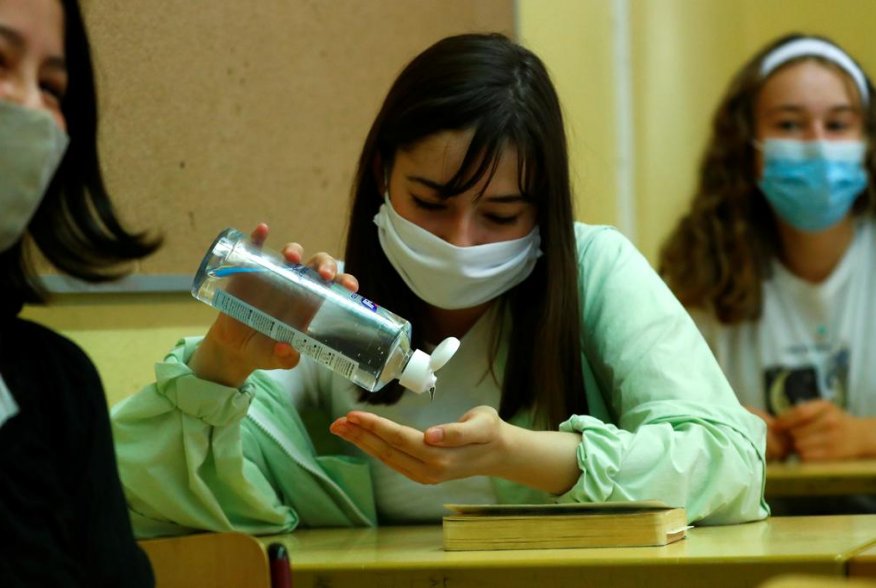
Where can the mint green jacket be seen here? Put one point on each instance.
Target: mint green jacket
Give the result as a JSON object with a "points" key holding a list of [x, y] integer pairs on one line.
{"points": [[663, 424]]}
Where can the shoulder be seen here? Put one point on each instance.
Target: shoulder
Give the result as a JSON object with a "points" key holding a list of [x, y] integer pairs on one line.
{"points": [[595, 239], [36, 332], [26, 340], [49, 374], [603, 252]]}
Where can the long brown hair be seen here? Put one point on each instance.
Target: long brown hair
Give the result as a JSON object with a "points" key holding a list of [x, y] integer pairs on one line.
{"points": [[717, 257], [502, 92]]}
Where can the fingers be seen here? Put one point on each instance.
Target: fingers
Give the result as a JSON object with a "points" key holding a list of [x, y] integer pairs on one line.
{"points": [[404, 438], [444, 452], [803, 414], [285, 356], [817, 420], [259, 234], [472, 432], [388, 442], [817, 426], [327, 266], [348, 281], [293, 252], [323, 263], [814, 448], [478, 426]]}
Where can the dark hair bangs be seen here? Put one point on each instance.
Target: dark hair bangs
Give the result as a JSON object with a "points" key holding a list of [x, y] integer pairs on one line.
{"points": [[493, 133]]}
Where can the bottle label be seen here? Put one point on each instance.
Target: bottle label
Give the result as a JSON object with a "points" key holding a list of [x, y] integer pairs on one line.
{"points": [[271, 327]]}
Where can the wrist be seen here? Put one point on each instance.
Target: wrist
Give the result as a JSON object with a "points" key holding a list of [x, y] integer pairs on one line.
{"points": [[506, 452], [219, 363], [546, 460]]}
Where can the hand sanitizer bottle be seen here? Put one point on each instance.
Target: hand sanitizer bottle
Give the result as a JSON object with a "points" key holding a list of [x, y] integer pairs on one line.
{"points": [[288, 302]]}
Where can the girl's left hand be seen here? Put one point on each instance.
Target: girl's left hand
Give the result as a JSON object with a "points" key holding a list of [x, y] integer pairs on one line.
{"points": [[475, 445]]}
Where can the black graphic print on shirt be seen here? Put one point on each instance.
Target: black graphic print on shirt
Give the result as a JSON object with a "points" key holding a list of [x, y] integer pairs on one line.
{"points": [[786, 386]]}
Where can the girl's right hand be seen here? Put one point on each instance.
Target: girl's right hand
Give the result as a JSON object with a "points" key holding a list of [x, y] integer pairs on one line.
{"points": [[231, 351]]}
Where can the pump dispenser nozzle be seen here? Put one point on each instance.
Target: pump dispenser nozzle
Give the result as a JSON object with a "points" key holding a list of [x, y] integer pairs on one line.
{"points": [[419, 374]]}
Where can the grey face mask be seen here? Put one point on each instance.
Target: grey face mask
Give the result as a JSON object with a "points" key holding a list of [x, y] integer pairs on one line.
{"points": [[31, 148]]}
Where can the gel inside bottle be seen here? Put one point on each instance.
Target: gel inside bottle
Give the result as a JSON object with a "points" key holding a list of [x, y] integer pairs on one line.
{"points": [[340, 329]]}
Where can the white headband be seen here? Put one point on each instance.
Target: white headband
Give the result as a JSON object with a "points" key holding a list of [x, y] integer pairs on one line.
{"points": [[815, 47]]}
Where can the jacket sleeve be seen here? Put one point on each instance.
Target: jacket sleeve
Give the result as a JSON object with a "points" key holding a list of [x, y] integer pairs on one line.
{"points": [[180, 450], [664, 422], [192, 457]]}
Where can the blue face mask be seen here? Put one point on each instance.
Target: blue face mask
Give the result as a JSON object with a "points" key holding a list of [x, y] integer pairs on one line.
{"points": [[812, 185]]}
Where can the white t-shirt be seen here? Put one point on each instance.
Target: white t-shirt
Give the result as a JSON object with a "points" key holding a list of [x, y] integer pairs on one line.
{"points": [[812, 341], [399, 499]]}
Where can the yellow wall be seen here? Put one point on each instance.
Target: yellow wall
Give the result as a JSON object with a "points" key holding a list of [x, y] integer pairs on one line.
{"points": [[682, 55], [125, 334], [574, 39]]}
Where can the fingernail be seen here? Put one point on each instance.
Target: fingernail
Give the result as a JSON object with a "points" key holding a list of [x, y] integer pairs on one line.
{"points": [[434, 435]]}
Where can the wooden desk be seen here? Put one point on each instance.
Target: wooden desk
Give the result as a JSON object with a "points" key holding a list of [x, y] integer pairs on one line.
{"points": [[821, 479], [863, 564], [208, 559], [731, 556], [800, 581]]}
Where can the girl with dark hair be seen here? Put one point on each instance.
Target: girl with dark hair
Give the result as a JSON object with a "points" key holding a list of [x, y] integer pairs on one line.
{"points": [[62, 509], [777, 256], [579, 376]]}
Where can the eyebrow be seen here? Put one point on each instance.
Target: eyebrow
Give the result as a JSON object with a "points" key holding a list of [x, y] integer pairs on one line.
{"points": [[438, 187], [794, 108], [56, 62], [12, 36]]}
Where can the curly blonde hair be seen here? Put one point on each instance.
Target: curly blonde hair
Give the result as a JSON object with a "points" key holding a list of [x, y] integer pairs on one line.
{"points": [[718, 255]]}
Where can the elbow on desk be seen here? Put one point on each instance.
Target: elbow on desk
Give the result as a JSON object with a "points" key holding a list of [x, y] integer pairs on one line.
{"points": [[738, 491]]}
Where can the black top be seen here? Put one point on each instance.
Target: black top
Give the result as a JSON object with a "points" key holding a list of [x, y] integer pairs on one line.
{"points": [[63, 516]]}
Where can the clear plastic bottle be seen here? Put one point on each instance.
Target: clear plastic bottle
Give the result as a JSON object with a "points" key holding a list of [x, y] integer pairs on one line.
{"points": [[321, 319]]}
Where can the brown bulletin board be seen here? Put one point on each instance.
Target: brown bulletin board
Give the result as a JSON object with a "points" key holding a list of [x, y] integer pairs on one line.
{"points": [[218, 113]]}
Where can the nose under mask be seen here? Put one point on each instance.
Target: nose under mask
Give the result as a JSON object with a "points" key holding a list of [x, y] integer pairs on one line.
{"points": [[451, 277], [812, 185], [31, 149]]}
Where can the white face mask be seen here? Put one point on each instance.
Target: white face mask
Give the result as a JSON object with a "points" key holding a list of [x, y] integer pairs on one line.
{"points": [[448, 276], [31, 148]]}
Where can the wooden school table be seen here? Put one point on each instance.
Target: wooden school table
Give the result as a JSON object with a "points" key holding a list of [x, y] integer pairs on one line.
{"points": [[729, 556], [863, 564], [820, 479]]}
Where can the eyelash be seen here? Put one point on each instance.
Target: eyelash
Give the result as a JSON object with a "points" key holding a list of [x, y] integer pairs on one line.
{"points": [[54, 91], [432, 206], [502, 220], [426, 205], [788, 125]]}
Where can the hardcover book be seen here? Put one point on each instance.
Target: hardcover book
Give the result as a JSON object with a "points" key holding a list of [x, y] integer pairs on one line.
{"points": [[558, 526]]}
